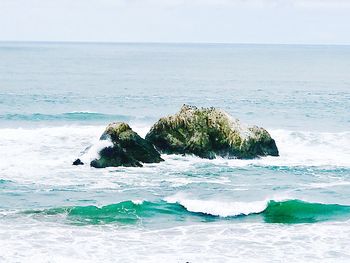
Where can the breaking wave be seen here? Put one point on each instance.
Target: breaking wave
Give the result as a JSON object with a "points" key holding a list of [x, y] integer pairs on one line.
{"points": [[130, 212]]}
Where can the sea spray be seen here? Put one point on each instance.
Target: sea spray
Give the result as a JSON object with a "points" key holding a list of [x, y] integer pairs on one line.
{"points": [[92, 152], [217, 208]]}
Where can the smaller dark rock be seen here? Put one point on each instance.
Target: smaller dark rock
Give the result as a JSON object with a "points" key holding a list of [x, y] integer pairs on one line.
{"points": [[78, 162], [128, 148]]}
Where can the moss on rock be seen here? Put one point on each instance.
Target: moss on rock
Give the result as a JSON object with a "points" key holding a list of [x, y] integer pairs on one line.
{"points": [[128, 149], [210, 132]]}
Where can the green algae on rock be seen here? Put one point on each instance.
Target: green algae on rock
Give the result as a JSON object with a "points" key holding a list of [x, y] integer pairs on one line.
{"points": [[210, 132], [128, 148]]}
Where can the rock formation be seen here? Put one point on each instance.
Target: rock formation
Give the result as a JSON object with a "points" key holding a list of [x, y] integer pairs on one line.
{"points": [[210, 132]]}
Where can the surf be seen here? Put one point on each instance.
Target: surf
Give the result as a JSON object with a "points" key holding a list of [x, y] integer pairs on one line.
{"points": [[297, 149], [131, 212], [126, 212]]}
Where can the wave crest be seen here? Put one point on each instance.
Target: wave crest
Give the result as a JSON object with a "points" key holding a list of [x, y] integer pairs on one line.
{"points": [[221, 209], [129, 212]]}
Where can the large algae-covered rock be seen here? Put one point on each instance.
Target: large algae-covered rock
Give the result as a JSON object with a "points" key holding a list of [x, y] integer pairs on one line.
{"points": [[210, 132], [127, 148]]}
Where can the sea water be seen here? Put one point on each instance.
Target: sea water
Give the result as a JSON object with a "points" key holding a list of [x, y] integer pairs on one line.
{"points": [[57, 98]]}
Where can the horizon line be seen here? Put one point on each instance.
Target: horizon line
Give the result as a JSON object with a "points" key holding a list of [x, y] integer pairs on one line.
{"points": [[168, 43]]}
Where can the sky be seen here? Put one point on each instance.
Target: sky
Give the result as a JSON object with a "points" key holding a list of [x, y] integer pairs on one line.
{"points": [[207, 21]]}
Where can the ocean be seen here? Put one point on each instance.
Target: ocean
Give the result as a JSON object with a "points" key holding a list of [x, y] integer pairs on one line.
{"points": [[57, 98]]}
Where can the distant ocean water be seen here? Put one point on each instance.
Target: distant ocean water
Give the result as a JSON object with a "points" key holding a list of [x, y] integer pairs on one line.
{"points": [[57, 98]]}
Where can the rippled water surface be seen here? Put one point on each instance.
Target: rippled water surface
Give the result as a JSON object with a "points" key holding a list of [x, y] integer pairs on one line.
{"points": [[56, 99]]}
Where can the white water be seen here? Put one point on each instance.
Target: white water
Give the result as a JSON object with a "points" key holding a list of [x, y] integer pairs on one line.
{"points": [[62, 144], [250, 242], [42, 158], [38, 150], [300, 89], [218, 208]]}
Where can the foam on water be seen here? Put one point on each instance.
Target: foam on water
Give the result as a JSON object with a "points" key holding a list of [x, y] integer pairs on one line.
{"points": [[218, 208], [93, 151], [253, 242], [175, 210], [39, 149], [44, 241], [296, 147], [313, 148], [45, 85]]}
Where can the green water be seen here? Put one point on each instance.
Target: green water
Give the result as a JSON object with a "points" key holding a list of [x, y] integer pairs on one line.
{"points": [[128, 213], [57, 98], [296, 211]]}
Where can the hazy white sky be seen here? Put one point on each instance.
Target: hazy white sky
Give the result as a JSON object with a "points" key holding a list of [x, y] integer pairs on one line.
{"points": [[233, 21]]}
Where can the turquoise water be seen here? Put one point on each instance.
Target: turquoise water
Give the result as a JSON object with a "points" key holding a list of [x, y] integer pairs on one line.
{"points": [[56, 99], [128, 212]]}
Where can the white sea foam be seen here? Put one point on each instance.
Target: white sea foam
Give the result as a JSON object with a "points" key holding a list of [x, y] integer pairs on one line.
{"points": [[93, 151], [141, 128], [33, 241], [221, 208], [312, 148], [297, 148], [137, 202], [28, 154], [224, 208], [43, 156]]}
